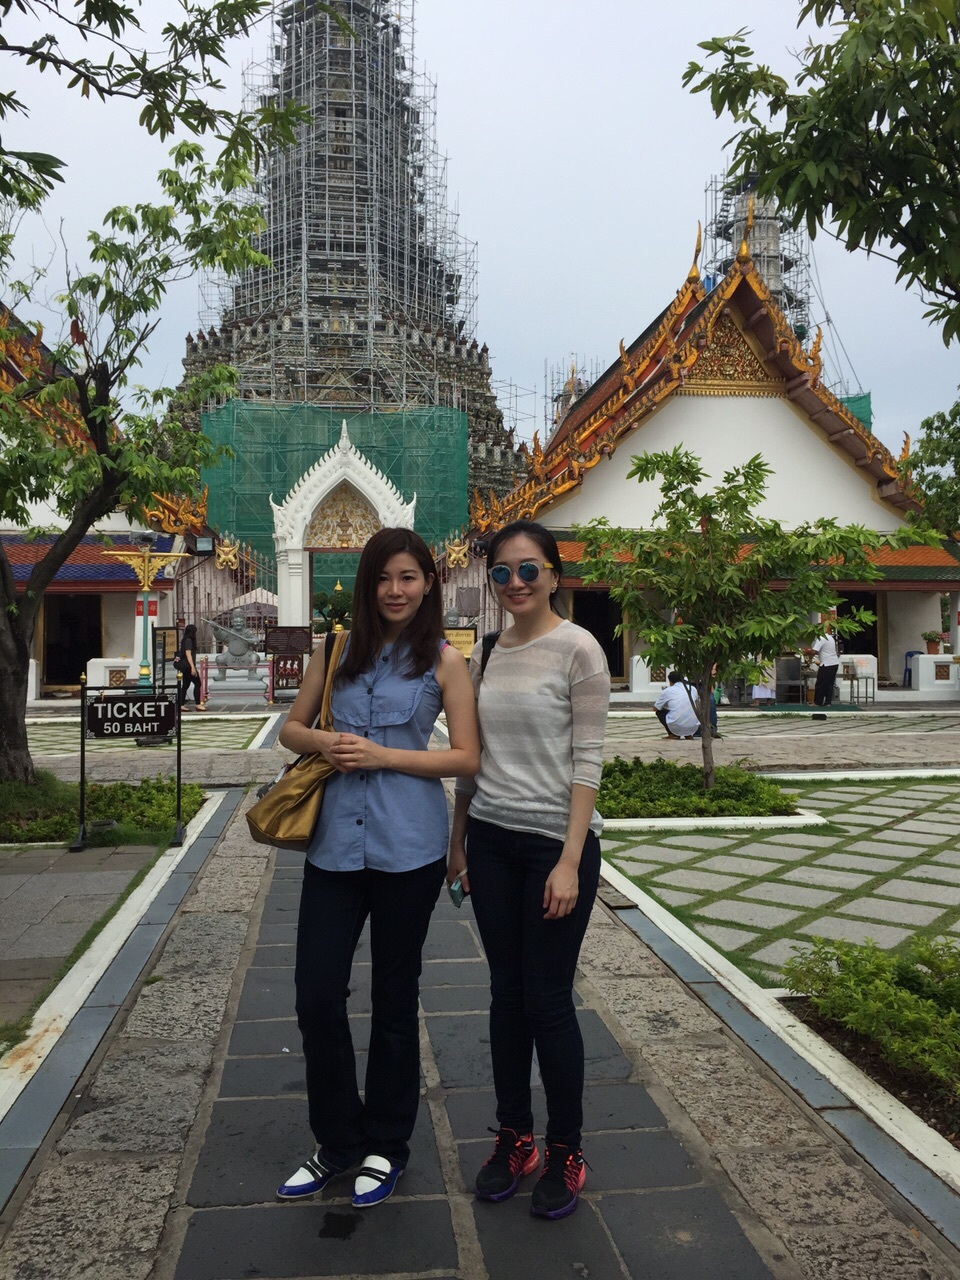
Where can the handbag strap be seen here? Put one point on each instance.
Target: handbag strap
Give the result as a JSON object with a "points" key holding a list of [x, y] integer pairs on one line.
{"points": [[334, 645]]}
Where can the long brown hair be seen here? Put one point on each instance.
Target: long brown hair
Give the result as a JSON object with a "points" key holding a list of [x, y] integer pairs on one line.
{"points": [[420, 639]]}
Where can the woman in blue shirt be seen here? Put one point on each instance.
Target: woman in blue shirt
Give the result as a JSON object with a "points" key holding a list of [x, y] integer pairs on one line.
{"points": [[379, 851]]}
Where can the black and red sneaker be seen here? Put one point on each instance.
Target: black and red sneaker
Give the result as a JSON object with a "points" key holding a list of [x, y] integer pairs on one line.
{"points": [[514, 1156], [558, 1187]]}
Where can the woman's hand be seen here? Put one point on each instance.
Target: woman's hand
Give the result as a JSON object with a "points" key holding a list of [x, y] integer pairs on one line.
{"points": [[457, 865], [350, 753], [561, 890]]}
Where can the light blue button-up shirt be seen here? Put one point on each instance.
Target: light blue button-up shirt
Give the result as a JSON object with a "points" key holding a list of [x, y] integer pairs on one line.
{"points": [[380, 818]]}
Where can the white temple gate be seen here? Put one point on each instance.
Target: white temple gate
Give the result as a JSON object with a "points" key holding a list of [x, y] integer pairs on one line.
{"points": [[335, 506]]}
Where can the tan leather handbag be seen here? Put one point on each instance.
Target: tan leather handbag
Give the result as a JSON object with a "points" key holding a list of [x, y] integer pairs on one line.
{"points": [[287, 813]]}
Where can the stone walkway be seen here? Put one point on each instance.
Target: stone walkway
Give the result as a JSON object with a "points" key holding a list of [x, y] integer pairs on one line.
{"points": [[164, 1160], [200, 731], [48, 900], [889, 868]]}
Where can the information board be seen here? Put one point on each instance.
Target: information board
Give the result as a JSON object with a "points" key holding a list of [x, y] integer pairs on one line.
{"points": [[462, 638]]}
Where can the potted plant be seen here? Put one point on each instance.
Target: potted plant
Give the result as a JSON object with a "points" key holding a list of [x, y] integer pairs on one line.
{"points": [[934, 639]]}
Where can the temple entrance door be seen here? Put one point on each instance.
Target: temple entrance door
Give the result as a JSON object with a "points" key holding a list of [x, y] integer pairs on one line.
{"points": [[599, 614], [864, 641], [72, 635]]}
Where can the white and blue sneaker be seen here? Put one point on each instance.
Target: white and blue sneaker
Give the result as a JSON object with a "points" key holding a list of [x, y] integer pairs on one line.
{"points": [[375, 1181], [312, 1176]]}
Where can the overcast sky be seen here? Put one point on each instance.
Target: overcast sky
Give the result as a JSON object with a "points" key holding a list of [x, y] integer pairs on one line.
{"points": [[578, 163]]}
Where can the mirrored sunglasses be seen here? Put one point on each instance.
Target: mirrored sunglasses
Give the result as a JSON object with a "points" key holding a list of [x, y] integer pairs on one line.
{"points": [[527, 571]]}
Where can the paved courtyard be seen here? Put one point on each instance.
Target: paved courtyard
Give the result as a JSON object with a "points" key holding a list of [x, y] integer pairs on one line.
{"points": [[886, 868], [201, 730]]}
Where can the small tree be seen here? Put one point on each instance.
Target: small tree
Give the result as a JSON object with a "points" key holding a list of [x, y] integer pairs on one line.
{"points": [[72, 433], [933, 465], [867, 139], [711, 585]]}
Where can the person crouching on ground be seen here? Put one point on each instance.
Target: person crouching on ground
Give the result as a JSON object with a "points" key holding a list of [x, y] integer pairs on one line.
{"points": [[379, 852], [530, 830], [676, 708]]}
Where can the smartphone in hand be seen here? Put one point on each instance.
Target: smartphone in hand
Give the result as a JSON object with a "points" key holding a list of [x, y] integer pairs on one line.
{"points": [[457, 892]]}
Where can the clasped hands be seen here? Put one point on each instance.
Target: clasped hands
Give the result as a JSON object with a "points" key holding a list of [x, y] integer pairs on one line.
{"points": [[349, 753]]}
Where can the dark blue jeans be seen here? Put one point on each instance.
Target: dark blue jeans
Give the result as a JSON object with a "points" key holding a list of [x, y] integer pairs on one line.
{"points": [[334, 906], [532, 966]]}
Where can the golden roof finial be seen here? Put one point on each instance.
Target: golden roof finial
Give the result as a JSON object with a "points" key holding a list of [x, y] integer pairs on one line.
{"points": [[743, 254], [694, 273]]}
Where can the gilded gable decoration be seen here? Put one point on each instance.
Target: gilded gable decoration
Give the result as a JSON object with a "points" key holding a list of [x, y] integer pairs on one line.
{"points": [[729, 366], [343, 519]]}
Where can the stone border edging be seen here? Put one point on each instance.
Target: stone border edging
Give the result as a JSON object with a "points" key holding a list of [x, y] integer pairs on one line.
{"points": [[713, 824], [922, 1166], [76, 1015]]}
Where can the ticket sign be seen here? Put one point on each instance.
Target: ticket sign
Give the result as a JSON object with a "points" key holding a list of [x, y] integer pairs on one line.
{"points": [[131, 715]]}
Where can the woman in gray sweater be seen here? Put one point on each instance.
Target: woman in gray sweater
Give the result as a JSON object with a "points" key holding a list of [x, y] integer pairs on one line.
{"points": [[530, 829]]}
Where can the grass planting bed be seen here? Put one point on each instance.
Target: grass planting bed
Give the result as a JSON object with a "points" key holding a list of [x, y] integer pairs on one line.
{"points": [[662, 789], [47, 812]]}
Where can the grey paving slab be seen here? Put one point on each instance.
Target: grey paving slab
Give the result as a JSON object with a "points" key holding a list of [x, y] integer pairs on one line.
{"points": [[511, 1249], [681, 1235], [457, 973], [930, 871], [805, 839], [248, 1151], [852, 930], [126, 967], [662, 853], [634, 867], [265, 1077], [913, 891], [747, 913], [45, 940], [950, 856], [404, 1235], [266, 993], [676, 897], [455, 999], [873, 848], [792, 894], [725, 937], [691, 878], [622, 1107], [279, 1036], [10, 881], [779, 952], [899, 836], [891, 911], [780, 853], [738, 865], [679, 960], [825, 878], [699, 842]]}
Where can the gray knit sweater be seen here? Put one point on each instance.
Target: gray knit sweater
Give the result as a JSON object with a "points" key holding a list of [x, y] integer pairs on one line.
{"points": [[543, 711]]}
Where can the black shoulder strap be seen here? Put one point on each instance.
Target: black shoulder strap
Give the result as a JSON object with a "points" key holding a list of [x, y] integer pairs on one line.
{"points": [[489, 640], [328, 642]]}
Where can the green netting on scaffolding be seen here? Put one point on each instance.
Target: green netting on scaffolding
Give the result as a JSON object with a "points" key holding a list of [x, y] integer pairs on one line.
{"points": [[861, 407], [422, 451]]}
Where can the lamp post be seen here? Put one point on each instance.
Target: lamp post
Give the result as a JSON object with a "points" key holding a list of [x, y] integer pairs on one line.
{"points": [[146, 564]]}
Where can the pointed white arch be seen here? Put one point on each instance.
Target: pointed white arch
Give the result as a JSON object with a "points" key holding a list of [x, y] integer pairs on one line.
{"points": [[344, 463]]}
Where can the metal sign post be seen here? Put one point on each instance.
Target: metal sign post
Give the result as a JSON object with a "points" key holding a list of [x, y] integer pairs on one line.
{"points": [[178, 834], [131, 715], [81, 841]]}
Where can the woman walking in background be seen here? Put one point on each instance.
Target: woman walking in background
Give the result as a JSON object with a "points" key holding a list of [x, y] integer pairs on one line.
{"points": [[186, 664], [530, 830], [379, 853]]}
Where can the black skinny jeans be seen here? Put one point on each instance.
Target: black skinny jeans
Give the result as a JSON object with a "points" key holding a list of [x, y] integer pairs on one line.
{"points": [[188, 680], [334, 906], [533, 962]]}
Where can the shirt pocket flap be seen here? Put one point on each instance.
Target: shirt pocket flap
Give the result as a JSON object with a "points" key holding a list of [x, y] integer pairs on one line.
{"points": [[391, 711]]}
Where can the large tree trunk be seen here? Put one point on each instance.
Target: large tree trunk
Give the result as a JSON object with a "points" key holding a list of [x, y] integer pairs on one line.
{"points": [[15, 762]]}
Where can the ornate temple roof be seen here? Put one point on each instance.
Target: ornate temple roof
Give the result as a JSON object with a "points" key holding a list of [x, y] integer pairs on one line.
{"points": [[698, 345]]}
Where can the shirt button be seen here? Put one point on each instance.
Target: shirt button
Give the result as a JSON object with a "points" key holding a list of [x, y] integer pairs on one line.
{"points": [[366, 733], [359, 822], [363, 777], [370, 691]]}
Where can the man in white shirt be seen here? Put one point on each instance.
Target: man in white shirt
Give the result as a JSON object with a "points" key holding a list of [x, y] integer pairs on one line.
{"points": [[825, 647], [675, 710]]}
